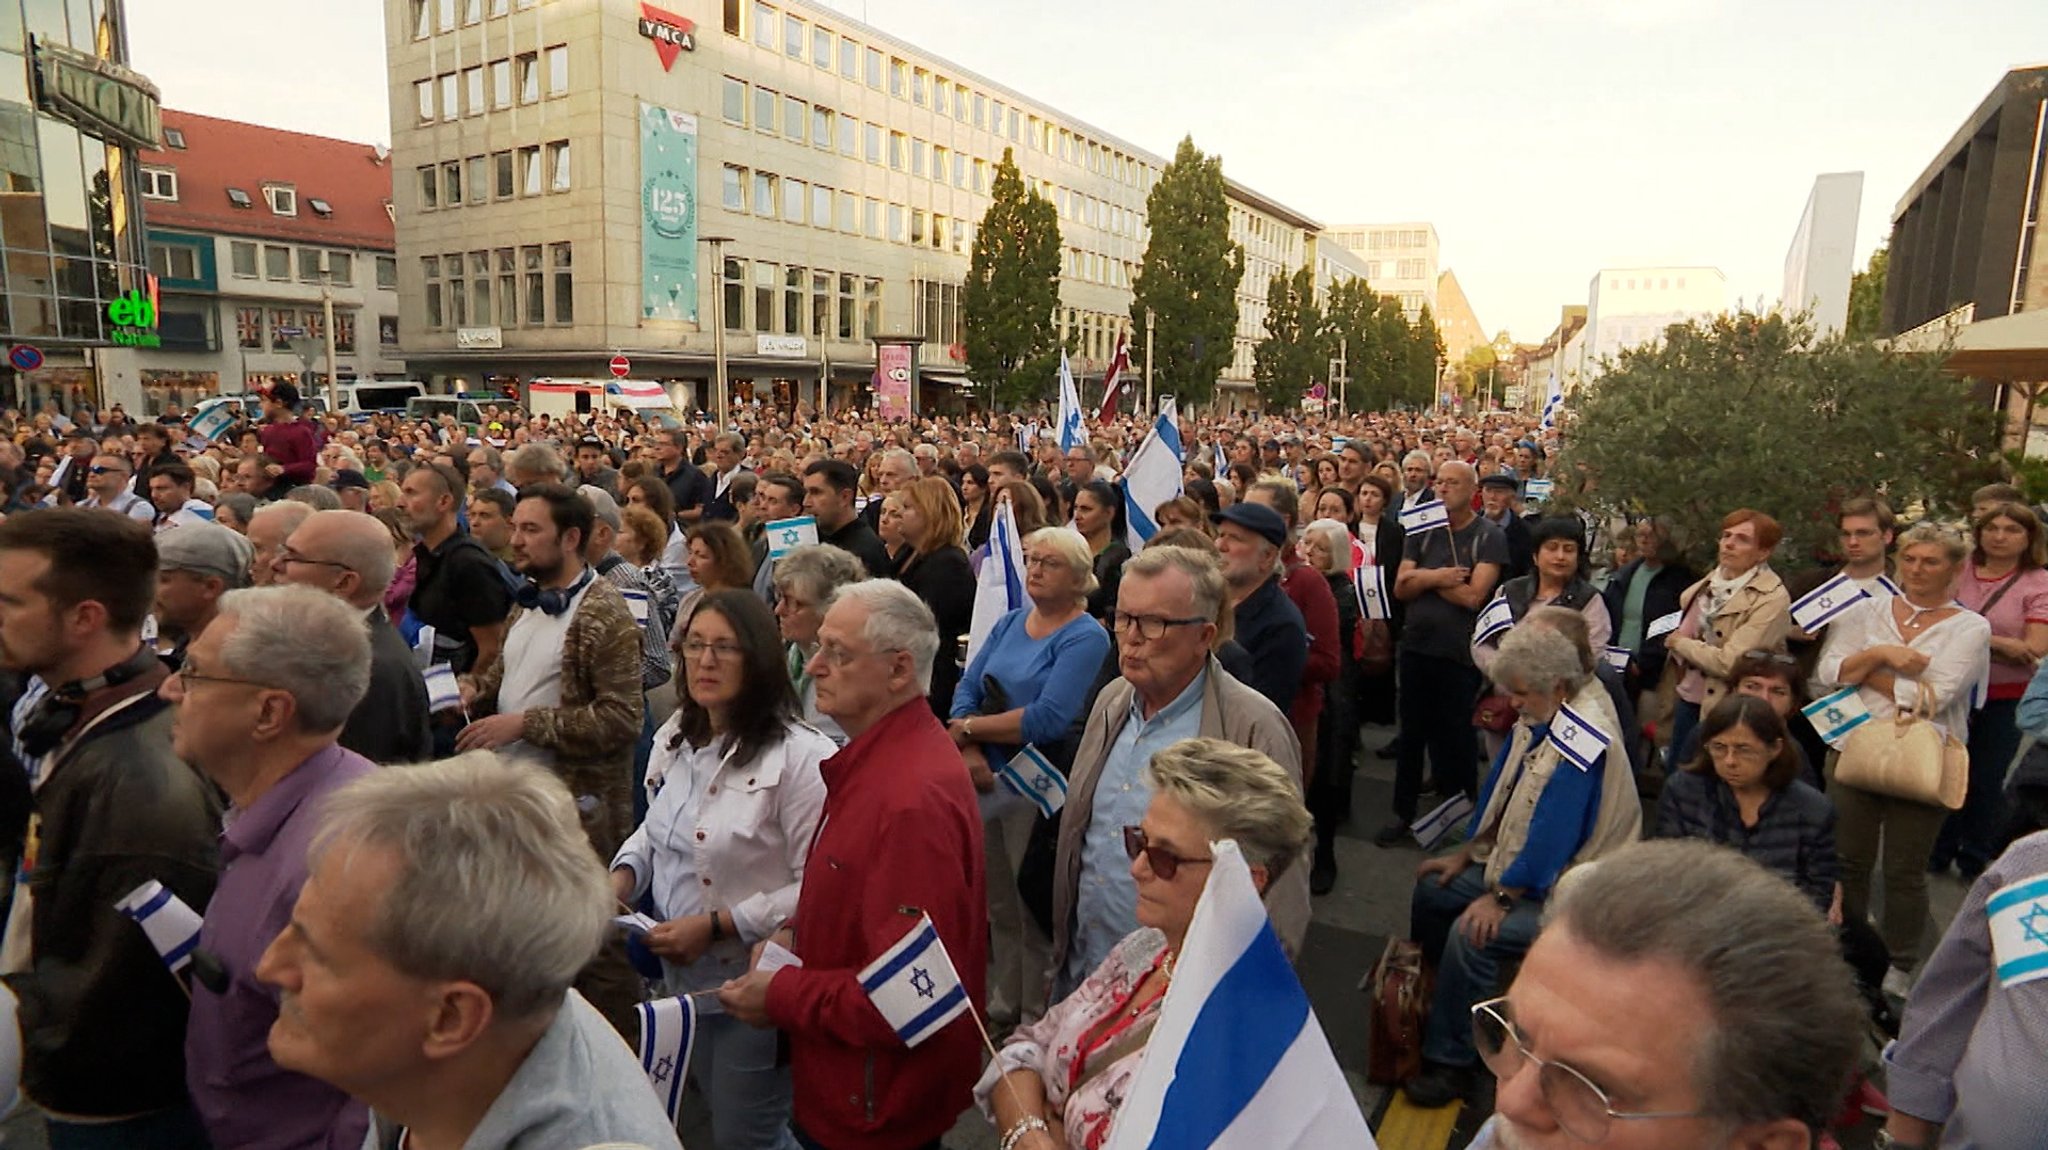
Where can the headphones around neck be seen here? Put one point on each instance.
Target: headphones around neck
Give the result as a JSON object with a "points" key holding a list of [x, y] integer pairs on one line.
{"points": [[58, 713], [551, 600]]}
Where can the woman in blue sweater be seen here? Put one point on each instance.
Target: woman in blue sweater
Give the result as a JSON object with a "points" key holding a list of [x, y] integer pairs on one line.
{"points": [[1027, 685]]}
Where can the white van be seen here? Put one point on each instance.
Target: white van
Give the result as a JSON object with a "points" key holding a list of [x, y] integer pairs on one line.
{"points": [[562, 397], [375, 395]]}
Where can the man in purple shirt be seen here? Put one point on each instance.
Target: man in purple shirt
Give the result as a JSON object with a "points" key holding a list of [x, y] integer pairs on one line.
{"points": [[262, 697]]}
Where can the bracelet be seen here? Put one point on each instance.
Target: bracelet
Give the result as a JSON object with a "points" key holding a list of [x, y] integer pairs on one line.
{"points": [[1016, 1133]]}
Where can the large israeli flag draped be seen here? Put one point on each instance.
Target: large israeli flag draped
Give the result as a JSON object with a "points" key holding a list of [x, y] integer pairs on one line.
{"points": [[1152, 477], [999, 587], [1071, 431], [1237, 1060]]}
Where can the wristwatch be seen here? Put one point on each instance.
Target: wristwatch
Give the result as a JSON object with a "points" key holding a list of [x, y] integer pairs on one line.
{"points": [[1885, 1141], [1502, 899]]}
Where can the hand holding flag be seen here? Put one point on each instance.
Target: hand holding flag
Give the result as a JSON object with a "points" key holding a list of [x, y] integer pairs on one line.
{"points": [[915, 985]]}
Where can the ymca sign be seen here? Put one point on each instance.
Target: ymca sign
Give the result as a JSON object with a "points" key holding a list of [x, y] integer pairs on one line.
{"points": [[672, 34]]}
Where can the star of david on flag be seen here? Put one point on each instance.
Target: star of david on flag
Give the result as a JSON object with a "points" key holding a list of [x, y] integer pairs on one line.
{"points": [[1495, 619], [668, 1031], [915, 985], [1424, 516], [1579, 741], [786, 535], [1834, 716], [1031, 774], [2019, 930], [1825, 603], [1370, 584]]}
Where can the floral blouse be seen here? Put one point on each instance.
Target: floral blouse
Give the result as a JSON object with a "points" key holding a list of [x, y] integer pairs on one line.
{"points": [[1087, 1096]]}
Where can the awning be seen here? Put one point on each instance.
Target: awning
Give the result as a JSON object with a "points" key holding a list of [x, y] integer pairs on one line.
{"points": [[2009, 349]]}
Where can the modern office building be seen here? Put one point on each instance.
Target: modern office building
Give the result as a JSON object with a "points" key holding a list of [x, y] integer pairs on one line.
{"points": [[1967, 233], [772, 182], [72, 280], [254, 234], [1822, 259], [1630, 307], [1457, 324], [1401, 260]]}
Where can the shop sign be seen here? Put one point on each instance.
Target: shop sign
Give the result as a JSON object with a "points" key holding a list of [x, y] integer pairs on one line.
{"points": [[132, 317], [782, 346], [479, 338], [106, 100]]}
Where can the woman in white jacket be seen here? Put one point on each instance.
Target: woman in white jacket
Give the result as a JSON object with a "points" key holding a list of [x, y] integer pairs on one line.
{"points": [[737, 796]]}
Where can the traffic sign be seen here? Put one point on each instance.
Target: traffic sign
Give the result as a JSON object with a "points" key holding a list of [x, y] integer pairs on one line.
{"points": [[288, 331], [1318, 391], [23, 357], [621, 366]]}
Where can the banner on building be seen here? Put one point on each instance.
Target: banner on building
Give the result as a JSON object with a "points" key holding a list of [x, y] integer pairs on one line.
{"points": [[668, 214], [893, 380]]}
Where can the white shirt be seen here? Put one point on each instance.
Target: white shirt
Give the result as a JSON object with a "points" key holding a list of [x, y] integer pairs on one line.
{"points": [[533, 666], [127, 503], [727, 836], [1958, 651], [193, 512], [1879, 588]]}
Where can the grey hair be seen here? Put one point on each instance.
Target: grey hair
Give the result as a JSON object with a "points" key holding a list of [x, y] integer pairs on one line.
{"points": [[1203, 569], [1071, 547], [815, 570], [1418, 456], [1539, 659], [241, 503], [731, 441], [1939, 535], [897, 621], [538, 459], [1787, 1017], [495, 880], [1240, 794], [1569, 623], [1337, 538], [315, 496], [897, 457], [304, 642], [362, 543]]}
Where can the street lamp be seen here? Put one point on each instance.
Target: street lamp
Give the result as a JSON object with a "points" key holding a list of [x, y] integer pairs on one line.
{"points": [[718, 397]]}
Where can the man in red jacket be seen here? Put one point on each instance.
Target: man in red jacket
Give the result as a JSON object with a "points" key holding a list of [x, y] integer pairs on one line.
{"points": [[287, 439], [900, 838]]}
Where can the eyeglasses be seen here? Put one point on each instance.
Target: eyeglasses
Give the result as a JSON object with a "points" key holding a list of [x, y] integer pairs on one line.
{"points": [[696, 649], [835, 655], [106, 470], [186, 676], [1044, 562], [1581, 1108], [288, 556], [1151, 626], [1736, 751], [1163, 862], [1774, 658]]}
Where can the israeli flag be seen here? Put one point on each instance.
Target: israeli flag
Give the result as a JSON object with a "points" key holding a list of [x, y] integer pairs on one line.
{"points": [[1152, 477], [1663, 625], [2019, 931], [1430, 829], [1071, 431], [1424, 516], [1825, 603], [1580, 742], [443, 693], [1617, 657], [1030, 774], [1237, 1060], [1553, 400], [1834, 716], [786, 535], [638, 603], [1370, 582], [212, 417], [1537, 491], [172, 926], [999, 585], [1884, 583], [668, 1032], [915, 986], [1495, 619], [1222, 459]]}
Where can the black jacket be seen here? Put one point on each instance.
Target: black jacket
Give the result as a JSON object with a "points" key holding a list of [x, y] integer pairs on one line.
{"points": [[1271, 630], [1667, 583], [391, 724], [859, 540], [102, 1020], [945, 581], [1109, 574], [1794, 835]]}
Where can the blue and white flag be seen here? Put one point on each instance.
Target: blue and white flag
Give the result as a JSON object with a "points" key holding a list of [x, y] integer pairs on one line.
{"points": [[1071, 431], [786, 535], [1617, 657], [1031, 774], [443, 693], [1581, 743], [1237, 1060], [915, 986], [1825, 603], [1495, 619], [423, 646], [1553, 400], [638, 602], [668, 1032], [999, 585], [1885, 584], [1430, 829], [1222, 455], [2019, 930], [172, 926], [1834, 716], [1425, 516], [210, 418], [1370, 582], [1152, 477], [1537, 491]]}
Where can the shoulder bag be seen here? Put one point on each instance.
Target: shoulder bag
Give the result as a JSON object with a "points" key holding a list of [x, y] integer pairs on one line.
{"points": [[1907, 758]]}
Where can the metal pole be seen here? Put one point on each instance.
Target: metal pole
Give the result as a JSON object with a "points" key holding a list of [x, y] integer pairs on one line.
{"points": [[327, 316], [720, 405], [1344, 368], [1149, 325]]}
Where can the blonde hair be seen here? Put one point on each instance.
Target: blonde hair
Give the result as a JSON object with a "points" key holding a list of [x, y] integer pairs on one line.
{"points": [[1069, 545], [1239, 794], [939, 506]]}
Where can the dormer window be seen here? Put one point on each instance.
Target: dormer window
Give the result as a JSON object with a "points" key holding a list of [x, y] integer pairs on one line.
{"points": [[240, 198], [175, 137], [159, 184], [320, 207], [283, 199]]}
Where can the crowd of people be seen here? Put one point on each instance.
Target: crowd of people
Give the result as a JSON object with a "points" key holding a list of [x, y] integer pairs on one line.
{"points": [[412, 712]]}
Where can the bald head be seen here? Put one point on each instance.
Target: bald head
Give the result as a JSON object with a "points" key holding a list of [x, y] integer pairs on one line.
{"points": [[346, 553]]}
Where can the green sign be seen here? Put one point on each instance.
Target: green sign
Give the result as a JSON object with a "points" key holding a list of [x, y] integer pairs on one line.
{"points": [[132, 318], [668, 214], [108, 101]]}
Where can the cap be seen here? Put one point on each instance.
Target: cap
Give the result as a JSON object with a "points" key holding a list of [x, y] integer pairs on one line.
{"points": [[602, 503], [591, 441], [206, 549], [1256, 518], [349, 477], [281, 392], [1500, 479]]}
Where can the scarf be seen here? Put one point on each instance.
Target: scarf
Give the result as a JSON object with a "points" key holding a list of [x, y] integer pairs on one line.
{"points": [[1720, 590]]}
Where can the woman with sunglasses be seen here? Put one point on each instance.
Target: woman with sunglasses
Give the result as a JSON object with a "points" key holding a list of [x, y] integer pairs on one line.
{"points": [[1058, 1082]]}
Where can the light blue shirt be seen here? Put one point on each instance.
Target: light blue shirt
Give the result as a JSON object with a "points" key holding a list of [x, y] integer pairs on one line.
{"points": [[1107, 906]]}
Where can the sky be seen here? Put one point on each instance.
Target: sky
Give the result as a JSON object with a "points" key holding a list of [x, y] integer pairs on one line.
{"points": [[1545, 139]]}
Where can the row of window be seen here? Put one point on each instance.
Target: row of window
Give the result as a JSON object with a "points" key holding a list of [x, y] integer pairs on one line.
{"points": [[249, 260], [527, 78], [823, 48], [515, 172], [1092, 335], [1399, 269], [282, 199], [798, 202], [777, 299], [286, 324], [431, 16], [1662, 283], [502, 287], [1383, 239]]}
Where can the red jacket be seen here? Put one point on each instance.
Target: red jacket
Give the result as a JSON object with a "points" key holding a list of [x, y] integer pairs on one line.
{"points": [[295, 446], [900, 836], [1310, 592]]}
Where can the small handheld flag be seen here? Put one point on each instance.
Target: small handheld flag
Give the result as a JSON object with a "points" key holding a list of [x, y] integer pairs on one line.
{"points": [[1425, 516], [1617, 657], [1663, 625], [915, 986], [1030, 774], [443, 694], [1825, 603], [1834, 716], [172, 926], [212, 417], [638, 603], [1370, 582], [1581, 743], [668, 1032], [786, 535], [1497, 617], [1431, 828]]}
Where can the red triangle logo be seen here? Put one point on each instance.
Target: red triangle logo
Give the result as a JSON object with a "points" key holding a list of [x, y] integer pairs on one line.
{"points": [[671, 33]]}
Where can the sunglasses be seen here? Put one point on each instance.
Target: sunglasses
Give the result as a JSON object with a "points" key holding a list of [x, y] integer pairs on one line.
{"points": [[1775, 658], [1163, 862]]}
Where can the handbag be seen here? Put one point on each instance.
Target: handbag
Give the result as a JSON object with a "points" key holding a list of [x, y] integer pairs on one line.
{"points": [[1372, 645], [1907, 758], [1400, 986], [1494, 712]]}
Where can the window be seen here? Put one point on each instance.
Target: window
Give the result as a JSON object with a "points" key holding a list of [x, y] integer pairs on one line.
{"points": [[764, 110], [451, 184], [917, 229], [821, 304], [536, 285], [793, 301], [558, 166], [422, 19], [282, 199], [249, 328], [849, 59], [502, 183], [960, 103], [821, 207], [792, 37], [846, 302], [897, 146], [872, 61], [849, 213], [458, 295], [558, 70], [174, 261], [320, 207], [873, 136], [733, 188], [242, 259], [430, 266], [159, 184], [310, 269], [898, 225], [341, 269], [344, 331], [764, 25], [733, 294], [530, 173], [387, 272], [175, 137], [849, 136], [764, 194], [430, 187], [529, 78], [500, 8], [980, 109], [473, 88], [918, 148], [793, 192], [920, 83], [447, 14], [475, 175], [981, 176], [959, 170], [423, 95], [795, 115], [899, 73], [451, 104], [732, 17], [472, 11], [765, 277], [871, 219], [283, 321], [821, 128], [501, 84], [733, 101]]}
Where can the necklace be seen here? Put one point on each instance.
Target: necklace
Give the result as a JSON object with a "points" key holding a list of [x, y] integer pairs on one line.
{"points": [[1913, 622]]}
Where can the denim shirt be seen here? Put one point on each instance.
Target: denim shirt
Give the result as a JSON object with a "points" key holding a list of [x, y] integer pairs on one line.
{"points": [[1107, 906]]}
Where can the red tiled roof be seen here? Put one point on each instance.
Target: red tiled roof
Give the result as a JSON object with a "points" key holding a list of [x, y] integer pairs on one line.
{"points": [[223, 154]]}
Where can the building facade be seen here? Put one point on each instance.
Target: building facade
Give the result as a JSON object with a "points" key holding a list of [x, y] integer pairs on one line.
{"points": [[1456, 322], [254, 235], [1822, 259], [1631, 307], [1401, 260], [72, 280]]}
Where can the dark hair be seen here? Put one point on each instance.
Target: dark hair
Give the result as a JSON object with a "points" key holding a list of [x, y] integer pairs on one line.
{"points": [[979, 474], [1014, 460], [1566, 527], [1104, 494], [791, 486], [1761, 721], [836, 472], [176, 471], [660, 499], [497, 497], [1764, 664], [1243, 474], [729, 553], [1203, 491], [1056, 506], [1358, 448], [768, 696], [1026, 505], [2036, 551], [95, 556], [566, 509], [1344, 496]]}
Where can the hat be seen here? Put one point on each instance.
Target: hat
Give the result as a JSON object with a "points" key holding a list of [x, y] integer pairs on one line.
{"points": [[349, 477], [1256, 518], [281, 392], [602, 503], [1500, 479], [206, 549], [591, 441]]}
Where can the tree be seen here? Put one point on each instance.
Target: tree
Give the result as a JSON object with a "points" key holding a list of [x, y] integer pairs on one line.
{"points": [[1296, 348], [1425, 347], [1866, 297], [1748, 410], [1348, 320], [1189, 277], [1009, 306]]}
